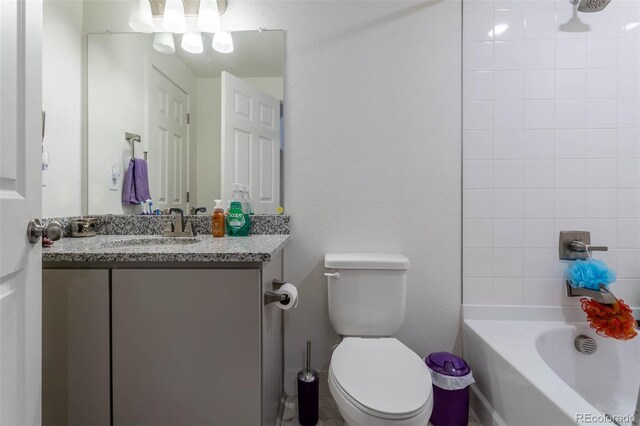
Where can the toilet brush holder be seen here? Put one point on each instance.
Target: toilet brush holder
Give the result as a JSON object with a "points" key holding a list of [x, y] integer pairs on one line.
{"points": [[308, 393]]}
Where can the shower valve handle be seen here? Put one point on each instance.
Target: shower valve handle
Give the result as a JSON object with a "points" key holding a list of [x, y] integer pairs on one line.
{"points": [[580, 247]]}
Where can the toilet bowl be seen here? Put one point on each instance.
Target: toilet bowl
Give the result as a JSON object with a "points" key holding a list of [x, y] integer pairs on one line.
{"points": [[379, 381]]}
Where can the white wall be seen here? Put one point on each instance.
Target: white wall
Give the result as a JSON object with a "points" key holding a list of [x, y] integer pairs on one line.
{"points": [[372, 161], [551, 142], [62, 100]]}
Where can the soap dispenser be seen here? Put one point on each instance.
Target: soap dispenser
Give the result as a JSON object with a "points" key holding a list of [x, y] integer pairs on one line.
{"points": [[218, 220]]}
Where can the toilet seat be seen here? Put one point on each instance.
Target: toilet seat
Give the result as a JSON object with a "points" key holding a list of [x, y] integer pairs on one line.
{"points": [[381, 377]]}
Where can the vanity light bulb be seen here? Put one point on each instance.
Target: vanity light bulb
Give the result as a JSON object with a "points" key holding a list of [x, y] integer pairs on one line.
{"points": [[140, 18], [174, 19], [192, 42], [208, 16], [222, 42], [163, 43]]}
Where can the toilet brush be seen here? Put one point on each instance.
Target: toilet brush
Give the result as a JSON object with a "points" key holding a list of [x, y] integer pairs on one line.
{"points": [[308, 393]]}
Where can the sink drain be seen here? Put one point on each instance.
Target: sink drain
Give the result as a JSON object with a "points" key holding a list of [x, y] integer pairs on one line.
{"points": [[585, 345]]}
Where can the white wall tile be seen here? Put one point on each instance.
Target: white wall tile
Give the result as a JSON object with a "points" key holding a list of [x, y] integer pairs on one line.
{"points": [[509, 24], [602, 83], [477, 262], [571, 53], [601, 173], [601, 52], [570, 173], [540, 54], [603, 231], [478, 174], [601, 203], [508, 291], [540, 233], [539, 143], [601, 113], [570, 114], [628, 234], [539, 84], [570, 203], [508, 233], [477, 291], [538, 291], [508, 144], [628, 143], [540, 24], [478, 203], [478, 56], [477, 233], [478, 115], [539, 203], [477, 144], [601, 143], [570, 143], [628, 52], [571, 83], [508, 114], [628, 82], [603, 24], [507, 173], [628, 173], [629, 112], [478, 26], [508, 55], [508, 85], [539, 174], [478, 85], [507, 262], [508, 203], [539, 114]]}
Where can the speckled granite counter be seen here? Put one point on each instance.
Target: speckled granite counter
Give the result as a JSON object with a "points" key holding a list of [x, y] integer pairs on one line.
{"points": [[153, 248]]}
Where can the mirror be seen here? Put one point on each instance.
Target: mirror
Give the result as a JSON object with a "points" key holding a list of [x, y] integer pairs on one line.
{"points": [[202, 121]]}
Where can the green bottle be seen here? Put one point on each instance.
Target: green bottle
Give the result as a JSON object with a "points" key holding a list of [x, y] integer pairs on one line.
{"points": [[238, 221]]}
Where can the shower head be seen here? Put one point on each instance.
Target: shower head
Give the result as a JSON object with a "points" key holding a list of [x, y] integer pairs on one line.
{"points": [[590, 5]]}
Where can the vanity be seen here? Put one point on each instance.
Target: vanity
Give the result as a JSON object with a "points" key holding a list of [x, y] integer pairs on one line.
{"points": [[148, 330]]}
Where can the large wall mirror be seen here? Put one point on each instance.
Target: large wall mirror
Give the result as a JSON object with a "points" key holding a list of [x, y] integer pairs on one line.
{"points": [[204, 121]]}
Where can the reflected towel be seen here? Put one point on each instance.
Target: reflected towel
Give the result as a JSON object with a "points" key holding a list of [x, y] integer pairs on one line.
{"points": [[135, 189]]}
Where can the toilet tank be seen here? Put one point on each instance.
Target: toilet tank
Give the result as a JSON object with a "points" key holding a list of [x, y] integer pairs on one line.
{"points": [[367, 292]]}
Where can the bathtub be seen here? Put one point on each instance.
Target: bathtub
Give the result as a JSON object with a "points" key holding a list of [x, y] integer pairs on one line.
{"points": [[529, 373]]}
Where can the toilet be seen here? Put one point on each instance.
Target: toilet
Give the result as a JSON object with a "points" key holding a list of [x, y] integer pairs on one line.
{"points": [[374, 378]]}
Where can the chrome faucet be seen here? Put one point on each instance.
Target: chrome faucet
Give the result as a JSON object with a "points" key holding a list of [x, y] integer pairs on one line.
{"points": [[179, 227]]}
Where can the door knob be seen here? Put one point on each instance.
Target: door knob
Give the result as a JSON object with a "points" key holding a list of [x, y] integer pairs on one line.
{"points": [[35, 230]]}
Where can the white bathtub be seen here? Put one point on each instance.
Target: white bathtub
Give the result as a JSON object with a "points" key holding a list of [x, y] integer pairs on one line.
{"points": [[529, 373]]}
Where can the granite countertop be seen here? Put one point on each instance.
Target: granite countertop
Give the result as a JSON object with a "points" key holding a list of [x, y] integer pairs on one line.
{"points": [[155, 248]]}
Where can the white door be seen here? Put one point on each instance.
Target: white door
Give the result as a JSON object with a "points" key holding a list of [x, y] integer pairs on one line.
{"points": [[168, 142], [250, 143], [20, 201]]}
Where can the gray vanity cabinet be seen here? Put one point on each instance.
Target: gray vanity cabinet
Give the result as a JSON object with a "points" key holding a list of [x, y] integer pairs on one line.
{"points": [[75, 347], [150, 345], [186, 347]]}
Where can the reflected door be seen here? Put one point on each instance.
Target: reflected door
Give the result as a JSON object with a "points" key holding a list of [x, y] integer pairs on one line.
{"points": [[168, 142], [250, 143], [20, 201]]}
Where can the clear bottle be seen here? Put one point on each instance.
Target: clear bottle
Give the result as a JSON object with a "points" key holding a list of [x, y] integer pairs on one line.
{"points": [[247, 199], [218, 220], [238, 219]]}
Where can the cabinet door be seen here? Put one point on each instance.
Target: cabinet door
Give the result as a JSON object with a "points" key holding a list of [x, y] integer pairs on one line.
{"points": [[75, 347], [186, 346]]}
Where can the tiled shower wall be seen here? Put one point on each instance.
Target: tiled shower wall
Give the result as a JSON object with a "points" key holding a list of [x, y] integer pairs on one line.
{"points": [[551, 142]]}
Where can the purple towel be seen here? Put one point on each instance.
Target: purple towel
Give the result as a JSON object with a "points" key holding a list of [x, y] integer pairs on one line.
{"points": [[135, 189]]}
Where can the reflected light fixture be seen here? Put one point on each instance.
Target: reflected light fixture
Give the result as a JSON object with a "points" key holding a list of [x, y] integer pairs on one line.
{"points": [[192, 42], [140, 17], [209, 16], [174, 19], [163, 43], [222, 42], [498, 29]]}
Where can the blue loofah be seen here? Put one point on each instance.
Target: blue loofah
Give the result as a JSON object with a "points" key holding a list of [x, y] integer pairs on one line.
{"points": [[590, 273]]}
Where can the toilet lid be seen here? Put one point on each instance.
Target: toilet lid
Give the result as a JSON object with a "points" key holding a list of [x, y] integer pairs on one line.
{"points": [[382, 375]]}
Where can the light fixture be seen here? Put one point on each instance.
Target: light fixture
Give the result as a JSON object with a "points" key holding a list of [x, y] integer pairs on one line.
{"points": [[174, 19], [209, 16], [163, 43], [222, 42], [140, 18], [192, 42]]}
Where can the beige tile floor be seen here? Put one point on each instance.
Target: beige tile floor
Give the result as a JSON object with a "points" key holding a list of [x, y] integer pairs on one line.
{"points": [[330, 416]]}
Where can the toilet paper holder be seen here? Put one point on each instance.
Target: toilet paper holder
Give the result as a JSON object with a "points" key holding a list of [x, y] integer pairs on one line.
{"points": [[271, 296]]}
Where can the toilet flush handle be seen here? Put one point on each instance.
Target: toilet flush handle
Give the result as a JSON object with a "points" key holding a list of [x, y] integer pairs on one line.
{"points": [[335, 275]]}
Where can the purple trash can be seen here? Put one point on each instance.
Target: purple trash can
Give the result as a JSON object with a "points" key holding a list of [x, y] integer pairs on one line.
{"points": [[451, 403]]}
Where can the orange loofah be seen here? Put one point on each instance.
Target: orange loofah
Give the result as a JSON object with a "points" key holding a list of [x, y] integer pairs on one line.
{"points": [[614, 320]]}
